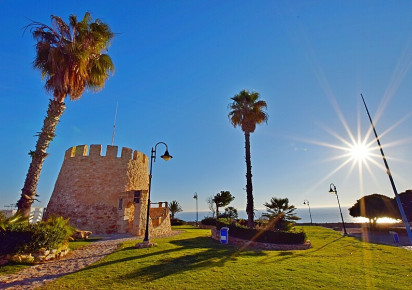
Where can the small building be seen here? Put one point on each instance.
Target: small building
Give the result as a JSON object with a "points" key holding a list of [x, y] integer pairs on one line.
{"points": [[106, 194]]}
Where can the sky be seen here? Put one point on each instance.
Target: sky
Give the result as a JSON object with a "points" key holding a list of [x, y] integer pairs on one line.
{"points": [[178, 63]]}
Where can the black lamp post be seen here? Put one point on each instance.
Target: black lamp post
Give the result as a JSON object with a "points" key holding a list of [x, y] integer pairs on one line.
{"points": [[197, 212], [166, 156], [310, 214], [333, 190]]}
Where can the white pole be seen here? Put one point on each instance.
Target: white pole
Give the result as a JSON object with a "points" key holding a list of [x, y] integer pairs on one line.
{"points": [[114, 123]]}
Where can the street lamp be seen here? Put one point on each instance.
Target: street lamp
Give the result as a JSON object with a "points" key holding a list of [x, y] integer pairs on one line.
{"points": [[310, 214], [197, 212], [333, 190], [166, 156]]}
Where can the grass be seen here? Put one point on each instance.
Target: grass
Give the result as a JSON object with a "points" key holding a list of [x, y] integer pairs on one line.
{"points": [[192, 260], [16, 267]]}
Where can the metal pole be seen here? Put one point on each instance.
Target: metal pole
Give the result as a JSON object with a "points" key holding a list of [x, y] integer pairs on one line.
{"points": [[197, 212], [146, 234], [310, 214], [398, 200], [343, 222]]}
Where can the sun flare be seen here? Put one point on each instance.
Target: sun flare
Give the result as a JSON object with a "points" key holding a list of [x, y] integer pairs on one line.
{"points": [[360, 152]]}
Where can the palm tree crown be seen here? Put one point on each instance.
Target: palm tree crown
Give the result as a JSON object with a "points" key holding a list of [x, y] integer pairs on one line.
{"points": [[174, 208], [70, 56], [247, 111], [280, 206]]}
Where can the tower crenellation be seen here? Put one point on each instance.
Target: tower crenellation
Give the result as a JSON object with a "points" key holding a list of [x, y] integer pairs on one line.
{"points": [[95, 150]]}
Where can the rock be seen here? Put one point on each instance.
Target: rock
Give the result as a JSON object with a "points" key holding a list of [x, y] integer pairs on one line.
{"points": [[81, 235]]}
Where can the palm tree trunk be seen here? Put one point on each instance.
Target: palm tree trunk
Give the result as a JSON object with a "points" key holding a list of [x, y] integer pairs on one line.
{"points": [[249, 187], [28, 193]]}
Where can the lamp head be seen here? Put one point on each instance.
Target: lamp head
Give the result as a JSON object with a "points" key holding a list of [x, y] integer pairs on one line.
{"points": [[332, 190], [166, 156]]}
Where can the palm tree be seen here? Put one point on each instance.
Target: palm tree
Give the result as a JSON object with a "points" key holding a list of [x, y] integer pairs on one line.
{"points": [[221, 199], [174, 208], [71, 59], [280, 214], [247, 111]]}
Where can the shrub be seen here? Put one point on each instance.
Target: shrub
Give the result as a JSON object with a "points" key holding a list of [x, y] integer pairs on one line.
{"points": [[49, 235], [177, 222], [24, 237], [14, 232], [209, 221]]}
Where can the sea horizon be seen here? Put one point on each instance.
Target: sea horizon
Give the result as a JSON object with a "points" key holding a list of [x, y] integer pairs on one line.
{"points": [[319, 215]]}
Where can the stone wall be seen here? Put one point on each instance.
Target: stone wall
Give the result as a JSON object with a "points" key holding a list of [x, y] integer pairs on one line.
{"points": [[89, 185], [160, 220]]}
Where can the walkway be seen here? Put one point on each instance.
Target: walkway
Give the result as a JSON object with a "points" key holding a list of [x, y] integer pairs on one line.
{"points": [[38, 275]]}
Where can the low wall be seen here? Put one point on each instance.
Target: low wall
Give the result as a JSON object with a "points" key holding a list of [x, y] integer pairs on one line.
{"points": [[257, 245]]}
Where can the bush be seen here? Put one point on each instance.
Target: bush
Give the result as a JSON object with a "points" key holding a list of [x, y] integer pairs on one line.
{"points": [[12, 240], [208, 221], [177, 222], [24, 237]]}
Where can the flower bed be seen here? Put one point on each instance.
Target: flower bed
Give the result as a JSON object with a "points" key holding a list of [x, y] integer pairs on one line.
{"points": [[259, 245]]}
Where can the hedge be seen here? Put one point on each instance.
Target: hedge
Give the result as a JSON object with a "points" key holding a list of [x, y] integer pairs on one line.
{"points": [[262, 236]]}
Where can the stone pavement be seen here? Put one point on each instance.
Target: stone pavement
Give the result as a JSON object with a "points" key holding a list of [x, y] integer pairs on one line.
{"points": [[38, 275]]}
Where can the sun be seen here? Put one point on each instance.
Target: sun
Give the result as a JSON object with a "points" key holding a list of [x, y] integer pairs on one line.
{"points": [[359, 152]]}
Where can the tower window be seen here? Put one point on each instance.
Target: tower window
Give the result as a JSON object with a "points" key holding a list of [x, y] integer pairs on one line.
{"points": [[136, 197]]}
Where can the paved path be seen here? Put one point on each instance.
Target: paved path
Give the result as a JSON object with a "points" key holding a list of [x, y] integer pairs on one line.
{"points": [[38, 275]]}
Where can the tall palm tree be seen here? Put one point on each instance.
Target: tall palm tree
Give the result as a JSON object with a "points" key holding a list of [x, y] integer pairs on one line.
{"points": [[71, 59], [247, 111]]}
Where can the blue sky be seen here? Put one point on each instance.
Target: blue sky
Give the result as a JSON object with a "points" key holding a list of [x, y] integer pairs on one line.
{"points": [[178, 63]]}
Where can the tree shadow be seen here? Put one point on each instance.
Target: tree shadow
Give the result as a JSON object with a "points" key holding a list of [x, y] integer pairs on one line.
{"points": [[286, 255], [213, 255]]}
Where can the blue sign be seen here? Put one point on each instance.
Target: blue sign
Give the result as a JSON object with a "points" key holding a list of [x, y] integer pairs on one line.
{"points": [[224, 235]]}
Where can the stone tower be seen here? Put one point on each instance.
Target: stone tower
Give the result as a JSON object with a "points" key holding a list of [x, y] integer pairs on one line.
{"points": [[106, 194]]}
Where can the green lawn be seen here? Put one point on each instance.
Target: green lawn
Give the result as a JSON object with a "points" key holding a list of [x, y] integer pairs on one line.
{"points": [[192, 260]]}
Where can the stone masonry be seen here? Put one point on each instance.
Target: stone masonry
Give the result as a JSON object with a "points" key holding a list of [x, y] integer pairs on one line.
{"points": [[106, 194]]}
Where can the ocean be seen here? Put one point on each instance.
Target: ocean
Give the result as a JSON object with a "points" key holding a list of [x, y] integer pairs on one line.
{"points": [[319, 215]]}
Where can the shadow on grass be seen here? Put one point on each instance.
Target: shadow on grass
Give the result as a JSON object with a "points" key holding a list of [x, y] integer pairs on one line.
{"points": [[213, 255], [182, 262], [286, 255]]}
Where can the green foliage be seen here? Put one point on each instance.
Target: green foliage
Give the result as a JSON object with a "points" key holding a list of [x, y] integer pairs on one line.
{"points": [[70, 55], [247, 111], [209, 221], [16, 220], [24, 237], [174, 208], [50, 234], [280, 215], [177, 222], [230, 212], [406, 200], [221, 199], [374, 206]]}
